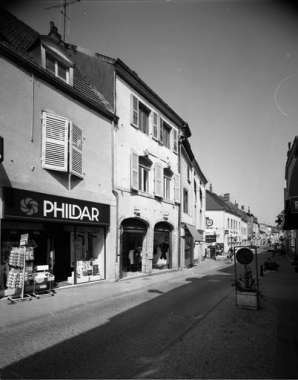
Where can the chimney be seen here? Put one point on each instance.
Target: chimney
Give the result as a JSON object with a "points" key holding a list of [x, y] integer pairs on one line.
{"points": [[236, 205], [242, 208], [227, 197], [248, 210], [54, 32], [211, 188]]}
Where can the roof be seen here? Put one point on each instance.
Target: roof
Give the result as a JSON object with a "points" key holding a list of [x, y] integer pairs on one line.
{"points": [[17, 38], [215, 202]]}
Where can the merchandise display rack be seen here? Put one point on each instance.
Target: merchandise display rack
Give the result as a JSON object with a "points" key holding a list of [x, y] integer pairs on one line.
{"points": [[42, 275], [18, 265]]}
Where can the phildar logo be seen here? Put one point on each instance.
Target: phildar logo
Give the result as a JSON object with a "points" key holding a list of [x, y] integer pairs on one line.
{"points": [[29, 206]]}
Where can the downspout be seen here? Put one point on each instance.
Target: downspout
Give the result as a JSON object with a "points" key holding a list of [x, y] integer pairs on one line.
{"points": [[179, 205], [32, 115], [118, 274], [117, 254]]}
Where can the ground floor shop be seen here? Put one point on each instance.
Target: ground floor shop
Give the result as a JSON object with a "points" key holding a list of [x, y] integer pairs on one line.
{"points": [[144, 249], [66, 236]]}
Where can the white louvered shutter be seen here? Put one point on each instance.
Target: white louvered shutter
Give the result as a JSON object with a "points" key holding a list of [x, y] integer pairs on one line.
{"points": [[134, 111], [158, 180], [76, 151], [175, 140], [134, 172], [177, 188], [155, 125], [54, 142]]}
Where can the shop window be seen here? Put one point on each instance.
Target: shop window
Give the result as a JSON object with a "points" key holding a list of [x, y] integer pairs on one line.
{"points": [[62, 145]]}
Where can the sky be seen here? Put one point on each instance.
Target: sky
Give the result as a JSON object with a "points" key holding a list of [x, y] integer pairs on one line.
{"points": [[228, 68]]}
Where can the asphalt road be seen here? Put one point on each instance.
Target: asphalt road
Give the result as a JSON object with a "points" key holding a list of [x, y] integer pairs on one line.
{"points": [[115, 338]]}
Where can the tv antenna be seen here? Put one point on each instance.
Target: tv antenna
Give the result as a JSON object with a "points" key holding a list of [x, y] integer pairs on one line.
{"points": [[63, 12]]}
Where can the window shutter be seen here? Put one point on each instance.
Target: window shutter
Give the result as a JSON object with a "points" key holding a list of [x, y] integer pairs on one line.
{"points": [[158, 180], [155, 125], [76, 151], [134, 111], [177, 188], [175, 140], [54, 142], [134, 174], [160, 129]]}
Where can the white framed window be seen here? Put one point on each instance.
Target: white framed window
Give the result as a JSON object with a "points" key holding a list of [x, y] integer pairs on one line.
{"points": [[165, 133], [167, 180], [143, 179], [185, 201], [62, 145], [139, 115]]}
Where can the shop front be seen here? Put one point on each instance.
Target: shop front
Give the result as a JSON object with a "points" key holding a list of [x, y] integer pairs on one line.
{"points": [[67, 235], [191, 236], [132, 241], [162, 250]]}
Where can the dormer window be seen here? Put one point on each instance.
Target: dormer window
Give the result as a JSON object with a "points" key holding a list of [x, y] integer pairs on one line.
{"points": [[57, 68], [55, 60]]}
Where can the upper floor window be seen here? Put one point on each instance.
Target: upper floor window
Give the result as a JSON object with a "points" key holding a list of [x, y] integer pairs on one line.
{"points": [[185, 201], [55, 60], [139, 115], [144, 169], [165, 133], [62, 145], [167, 179], [57, 68]]}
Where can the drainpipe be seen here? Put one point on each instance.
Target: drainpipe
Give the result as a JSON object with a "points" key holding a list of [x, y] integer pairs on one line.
{"points": [[180, 140], [115, 193]]}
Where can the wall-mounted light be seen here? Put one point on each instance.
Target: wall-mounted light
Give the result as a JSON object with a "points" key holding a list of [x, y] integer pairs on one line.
{"points": [[137, 212], [166, 216]]}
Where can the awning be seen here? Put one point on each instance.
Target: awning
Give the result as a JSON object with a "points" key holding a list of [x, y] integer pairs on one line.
{"points": [[197, 235], [290, 219]]}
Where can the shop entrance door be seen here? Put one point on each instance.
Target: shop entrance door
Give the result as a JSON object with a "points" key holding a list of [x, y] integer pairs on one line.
{"points": [[61, 246], [188, 249], [162, 247]]}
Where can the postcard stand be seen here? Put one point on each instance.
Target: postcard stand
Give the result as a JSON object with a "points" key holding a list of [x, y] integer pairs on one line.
{"points": [[21, 265]]}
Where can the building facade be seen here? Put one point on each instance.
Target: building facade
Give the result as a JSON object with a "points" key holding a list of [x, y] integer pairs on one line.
{"points": [[56, 172]]}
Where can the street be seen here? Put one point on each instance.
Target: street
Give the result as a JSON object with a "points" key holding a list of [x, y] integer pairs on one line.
{"points": [[184, 327], [114, 338]]}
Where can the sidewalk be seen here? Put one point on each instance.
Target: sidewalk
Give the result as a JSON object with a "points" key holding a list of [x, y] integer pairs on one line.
{"points": [[21, 312]]}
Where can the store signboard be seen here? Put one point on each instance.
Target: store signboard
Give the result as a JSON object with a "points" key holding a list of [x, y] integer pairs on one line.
{"points": [[38, 206]]}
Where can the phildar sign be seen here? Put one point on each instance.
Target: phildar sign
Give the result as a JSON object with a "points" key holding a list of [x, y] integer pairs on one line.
{"points": [[46, 207]]}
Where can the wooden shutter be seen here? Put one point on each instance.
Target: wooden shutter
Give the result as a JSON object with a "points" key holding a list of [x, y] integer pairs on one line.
{"points": [[175, 140], [134, 111], [160, 129], [158, 180], [155, 125], [177, 188], [76, 151], [54, 142], [134, 173]]}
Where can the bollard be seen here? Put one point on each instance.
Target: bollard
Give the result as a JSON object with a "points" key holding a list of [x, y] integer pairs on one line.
{"points": [[261, 272]]}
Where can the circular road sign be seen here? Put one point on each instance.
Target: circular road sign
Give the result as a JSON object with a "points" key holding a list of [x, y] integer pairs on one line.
{"points": [[209, 222], [244, 256]]}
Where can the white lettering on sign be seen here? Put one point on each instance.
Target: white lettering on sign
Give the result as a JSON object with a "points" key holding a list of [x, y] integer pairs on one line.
{"points": [[70, 211], [296, 205]]}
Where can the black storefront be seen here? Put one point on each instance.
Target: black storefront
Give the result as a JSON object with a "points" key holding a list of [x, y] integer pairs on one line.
{"points": [[68, 235]]}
